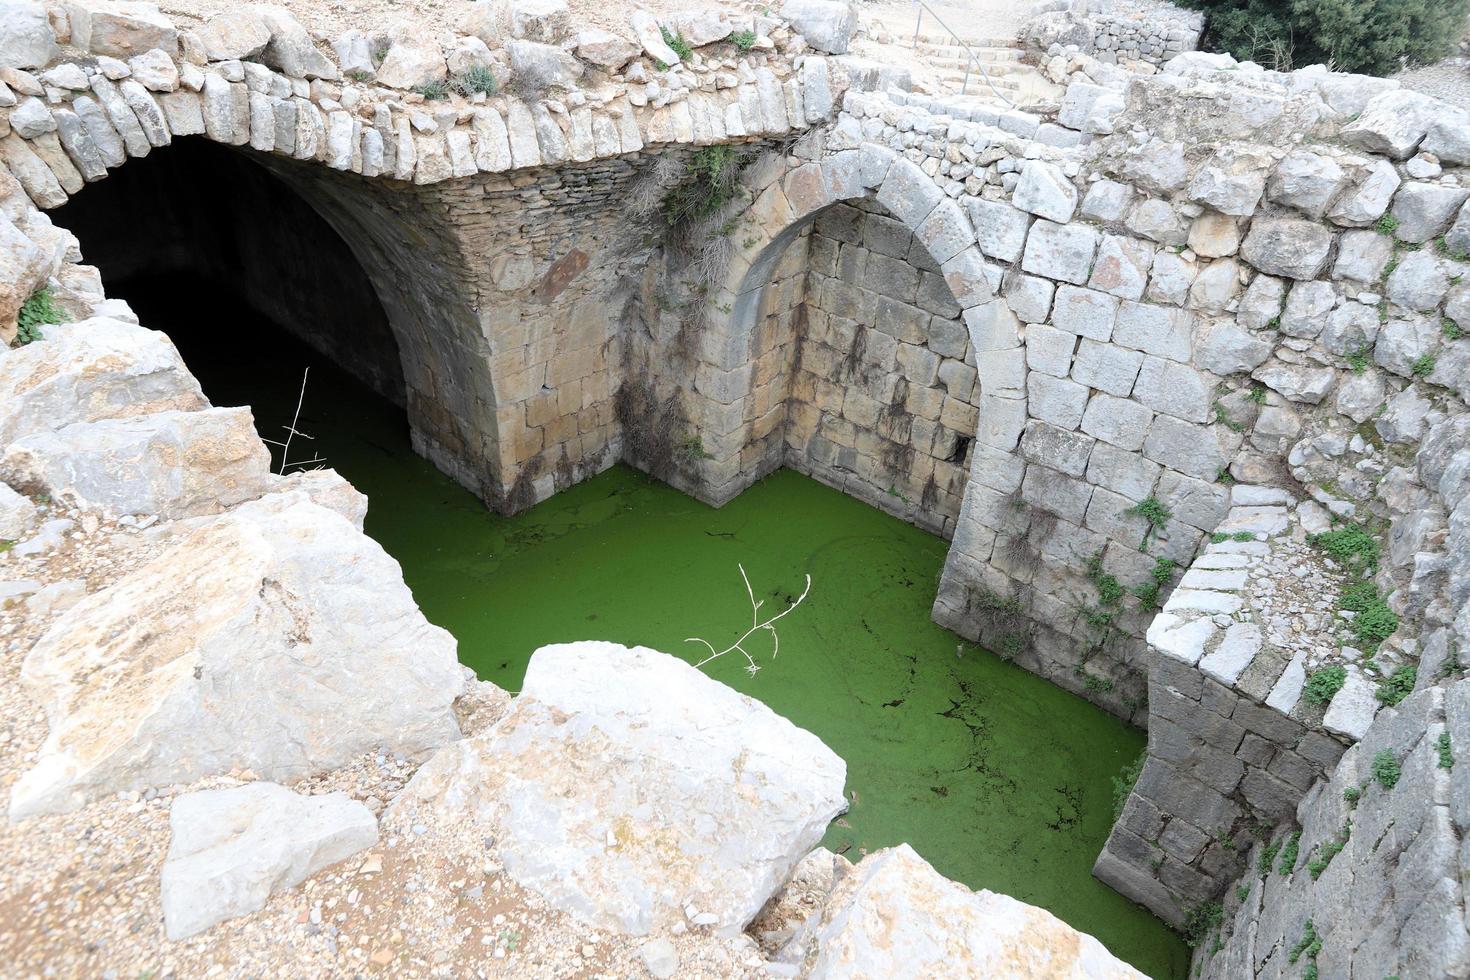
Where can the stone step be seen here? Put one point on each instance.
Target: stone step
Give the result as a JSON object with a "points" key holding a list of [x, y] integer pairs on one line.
{"points": [[944, 37], [980, 51], [992, 68], [977, 83]]}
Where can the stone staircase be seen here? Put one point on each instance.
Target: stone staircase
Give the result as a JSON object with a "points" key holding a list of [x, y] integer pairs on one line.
{"points": [[999, 58]]}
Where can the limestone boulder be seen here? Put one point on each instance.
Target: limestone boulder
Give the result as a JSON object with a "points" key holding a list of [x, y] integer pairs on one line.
{"points": [[633, 791], [120, 28], [414, 59], [172, 464], [1393, 123], [1288, 247], [1232, 180], [539, 66], [895, 916], [646, 29], [1090, 108], [275, 637], [827, 25], [239, 33], [17, 514], [605, 49], [291, 49], [24, 268], [232, 848], [94, 369], [701, 27], [1306, 181], [543, 21], [329, 489], [26, 38]]}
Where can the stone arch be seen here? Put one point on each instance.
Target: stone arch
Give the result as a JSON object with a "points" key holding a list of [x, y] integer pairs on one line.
{"points": [[401, 235], [735, 419]]}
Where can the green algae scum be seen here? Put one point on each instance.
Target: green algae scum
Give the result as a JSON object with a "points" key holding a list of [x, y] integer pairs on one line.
{"points": [[1000, 779]]}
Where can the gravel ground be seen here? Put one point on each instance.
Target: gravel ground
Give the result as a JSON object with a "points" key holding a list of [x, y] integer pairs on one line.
{"points": [[79, 892], [1448, 80]]}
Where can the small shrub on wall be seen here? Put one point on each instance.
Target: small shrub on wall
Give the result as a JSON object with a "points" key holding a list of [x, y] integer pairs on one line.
{"points": [[1374, 37]]}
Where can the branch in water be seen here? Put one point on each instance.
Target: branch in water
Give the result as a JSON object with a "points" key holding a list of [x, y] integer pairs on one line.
{"points": [[756, 625]]}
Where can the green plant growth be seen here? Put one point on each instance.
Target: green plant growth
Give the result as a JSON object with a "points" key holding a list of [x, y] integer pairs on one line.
{"points": [[1242, 892], [1351, 545], [1124, 782], [433, 91], [712, 173], [1289, 854], [1267, 858], [1386, 769], [1257, 394], [1451, 329], [1330, 849], [36, 312], [1159, 577], [477, 79], [1358, 359], [1387, 225], [1154, 513], [1373, 623], [1309, 945], [1446, 757], [1324, 683], [1352, 794], [1423, 366], [1398, 685], [744, 40], [676, 43], [1200, 921], [1220, 537]]}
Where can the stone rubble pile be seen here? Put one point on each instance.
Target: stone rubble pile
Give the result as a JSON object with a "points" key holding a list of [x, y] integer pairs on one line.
{"points": [[1134, 33]]}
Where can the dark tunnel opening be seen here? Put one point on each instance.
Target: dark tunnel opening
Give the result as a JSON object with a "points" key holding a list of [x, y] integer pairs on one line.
{"points": [[260, 295], [211, 247]]}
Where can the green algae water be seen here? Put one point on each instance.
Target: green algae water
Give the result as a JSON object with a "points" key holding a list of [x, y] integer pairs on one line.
{"points": [[997, 777]]}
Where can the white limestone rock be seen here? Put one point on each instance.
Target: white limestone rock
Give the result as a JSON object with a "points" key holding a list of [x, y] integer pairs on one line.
{"points": [[1393, 123], [547, 64], [1352, 708], [827, 25], [26, 39], [234, 34], [895, 916], [605, 49], [646, 29], [17, 514], [120, 28], [94, 369], [274, 637], [173, 464], [231, 848], [414, 59], [701, 27], [24, 267], [1306, 181], [625, 785], [291, 49], [1044, 190], [1232, 180], [1287, 247], [542, 21]]}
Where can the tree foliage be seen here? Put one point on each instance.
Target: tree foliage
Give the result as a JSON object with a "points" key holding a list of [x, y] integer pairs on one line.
{"points": [[1375, 37]]}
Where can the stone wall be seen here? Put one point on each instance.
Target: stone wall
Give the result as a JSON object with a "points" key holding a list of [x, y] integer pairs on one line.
{"points": [[1367, 879], [1129, 32], [1233, 743], [884, 404]]}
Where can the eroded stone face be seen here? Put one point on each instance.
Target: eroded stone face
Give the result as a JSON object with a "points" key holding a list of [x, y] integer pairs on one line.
{"points": [[627, 787], [894, 914], [275, 637]]}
